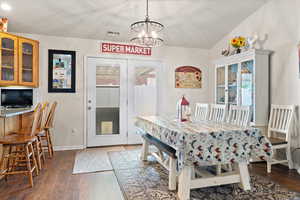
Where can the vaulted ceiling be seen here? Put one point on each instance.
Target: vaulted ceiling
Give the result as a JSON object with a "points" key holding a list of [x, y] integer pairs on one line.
{"points": [[189, 23]]}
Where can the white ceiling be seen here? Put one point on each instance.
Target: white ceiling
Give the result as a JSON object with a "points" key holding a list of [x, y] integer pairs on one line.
{"points": [[189, 23]]}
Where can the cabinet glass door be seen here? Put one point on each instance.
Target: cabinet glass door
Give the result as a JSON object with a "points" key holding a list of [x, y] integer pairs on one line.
{"points": [[27, 62], [247, 83], [8, 60], [232, 84], [220, 85]]}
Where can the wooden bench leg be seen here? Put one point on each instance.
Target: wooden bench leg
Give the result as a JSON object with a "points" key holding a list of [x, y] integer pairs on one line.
{"points": [[184, 183], [145, 150], [219, 169], [172, 173], [245, 177]]}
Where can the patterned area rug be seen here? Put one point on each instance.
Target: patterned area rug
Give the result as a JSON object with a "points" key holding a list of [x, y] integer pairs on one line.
{"points": [[149, 181]]}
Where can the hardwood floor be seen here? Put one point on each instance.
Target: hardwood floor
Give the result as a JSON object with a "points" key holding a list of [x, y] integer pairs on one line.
{"points": [[57, 182]]}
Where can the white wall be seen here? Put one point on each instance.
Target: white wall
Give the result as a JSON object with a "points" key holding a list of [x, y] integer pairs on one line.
{"points": [[70, 113], [280, 20]]}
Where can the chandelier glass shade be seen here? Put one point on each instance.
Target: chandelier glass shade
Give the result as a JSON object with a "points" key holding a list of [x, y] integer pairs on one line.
{"points": [[147, 32]]}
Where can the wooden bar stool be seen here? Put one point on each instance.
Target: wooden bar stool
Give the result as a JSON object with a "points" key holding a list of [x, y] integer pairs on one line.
{"points": [[47, 127], [18, 153], [37, 144]]}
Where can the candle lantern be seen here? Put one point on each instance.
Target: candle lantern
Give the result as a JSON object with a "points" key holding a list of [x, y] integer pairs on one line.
{"points": [[183, 109]]}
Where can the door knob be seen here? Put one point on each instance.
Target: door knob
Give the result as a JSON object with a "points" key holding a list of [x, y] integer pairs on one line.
{"points": [[89, 108]]}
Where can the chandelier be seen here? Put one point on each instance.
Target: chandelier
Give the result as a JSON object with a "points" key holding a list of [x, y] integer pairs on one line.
{"points": [[147, 31]]}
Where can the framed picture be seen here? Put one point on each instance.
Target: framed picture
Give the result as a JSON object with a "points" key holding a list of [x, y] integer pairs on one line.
{"points": [[188, 77], [61, 71]]}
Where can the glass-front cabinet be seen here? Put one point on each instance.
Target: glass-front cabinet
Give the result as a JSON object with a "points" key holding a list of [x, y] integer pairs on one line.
{"points": [[18, 61], [8, 59], [28, 62], [243, 80]]}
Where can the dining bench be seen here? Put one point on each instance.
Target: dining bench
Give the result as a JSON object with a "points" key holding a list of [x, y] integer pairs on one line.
{"points": [[169, 162]]}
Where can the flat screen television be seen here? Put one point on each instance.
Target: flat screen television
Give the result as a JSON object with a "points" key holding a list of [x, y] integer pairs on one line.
{"points": [[16, 98]]}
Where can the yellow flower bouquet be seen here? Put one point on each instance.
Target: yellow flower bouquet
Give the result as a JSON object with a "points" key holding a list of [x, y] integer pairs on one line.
{"points": [[238, 42]]}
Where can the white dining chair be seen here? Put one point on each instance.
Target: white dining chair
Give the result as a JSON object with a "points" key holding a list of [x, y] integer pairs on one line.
{"points": [[201, 111], [217, 112], [239, 115], [281, 118]]}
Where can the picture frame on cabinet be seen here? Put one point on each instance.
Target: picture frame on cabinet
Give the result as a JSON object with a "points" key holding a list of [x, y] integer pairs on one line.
{"points": [[61, 71]]}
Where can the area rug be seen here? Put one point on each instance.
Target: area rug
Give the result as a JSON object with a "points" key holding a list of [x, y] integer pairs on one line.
{"points": [[149, 181], [93, 160]]}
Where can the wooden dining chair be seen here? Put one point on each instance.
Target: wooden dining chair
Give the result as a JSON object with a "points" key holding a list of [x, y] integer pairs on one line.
{"points": [[279, 132], [217, 112], [48, 125], [239, 115], [201, 111], [18, 152]]}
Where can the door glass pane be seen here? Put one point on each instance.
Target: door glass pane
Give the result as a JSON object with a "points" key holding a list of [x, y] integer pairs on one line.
{"points": [[27, 61], [232, 84], [221, 85], [8, 58], [144, 90], [247, 85], [107, 100]]}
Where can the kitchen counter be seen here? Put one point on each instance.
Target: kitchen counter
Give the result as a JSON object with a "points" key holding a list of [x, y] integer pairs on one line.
{"points": [[14, 112]]}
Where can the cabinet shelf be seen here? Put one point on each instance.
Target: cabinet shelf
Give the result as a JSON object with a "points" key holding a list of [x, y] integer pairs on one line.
{"points": [[7, 67], [27, 69], [27, 54], [7, 49]]}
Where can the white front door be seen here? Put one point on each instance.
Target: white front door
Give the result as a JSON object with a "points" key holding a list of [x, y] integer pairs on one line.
{"points": [[106, 101], [142, 93], [118, 90]]}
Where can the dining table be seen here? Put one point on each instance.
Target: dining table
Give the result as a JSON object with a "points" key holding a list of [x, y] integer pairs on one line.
{"points": [[207, 143]]}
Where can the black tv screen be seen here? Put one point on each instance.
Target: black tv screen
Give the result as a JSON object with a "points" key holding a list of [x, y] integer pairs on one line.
{"points": [[16, 97]]}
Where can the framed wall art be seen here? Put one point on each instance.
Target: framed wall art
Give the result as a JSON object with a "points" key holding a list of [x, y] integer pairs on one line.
{"points": [[188, 77], [61, 71]]}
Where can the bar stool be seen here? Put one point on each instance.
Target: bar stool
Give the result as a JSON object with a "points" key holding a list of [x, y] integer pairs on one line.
{"points": [[37, 144], [46, 130], [18, 153]]}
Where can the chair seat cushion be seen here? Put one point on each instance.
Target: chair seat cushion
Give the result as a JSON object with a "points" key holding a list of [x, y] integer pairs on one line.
{"points": [[277, 141], [160, 145], [17, 139]]}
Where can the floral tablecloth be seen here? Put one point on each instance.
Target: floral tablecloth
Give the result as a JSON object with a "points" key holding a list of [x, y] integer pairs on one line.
{"points": [[207, 143]]}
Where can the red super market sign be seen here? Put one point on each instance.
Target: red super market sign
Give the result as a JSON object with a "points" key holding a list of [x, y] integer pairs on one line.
{"points": [[125, 49]]}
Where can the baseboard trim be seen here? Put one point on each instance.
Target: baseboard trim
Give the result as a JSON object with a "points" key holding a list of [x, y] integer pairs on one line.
{"points": [[65, 148]]}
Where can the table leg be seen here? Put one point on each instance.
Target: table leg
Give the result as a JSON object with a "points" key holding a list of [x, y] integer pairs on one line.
{"points": [[184, 183], [245, 177], [172, 173], [145, 150]]}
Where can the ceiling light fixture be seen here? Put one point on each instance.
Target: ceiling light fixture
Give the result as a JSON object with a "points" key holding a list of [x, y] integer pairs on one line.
{"points": [[5, 6], [147, 31]]}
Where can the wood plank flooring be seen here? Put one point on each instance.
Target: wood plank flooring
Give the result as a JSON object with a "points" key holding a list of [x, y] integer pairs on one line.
{"points": [[57, 182]]}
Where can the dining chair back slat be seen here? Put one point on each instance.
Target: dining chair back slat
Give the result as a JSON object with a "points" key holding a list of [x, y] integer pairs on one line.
{"points": [[201, 111], [239, 115], [37, 119], [45, 109], [50, 118], [281, 119], [217, 112]]}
